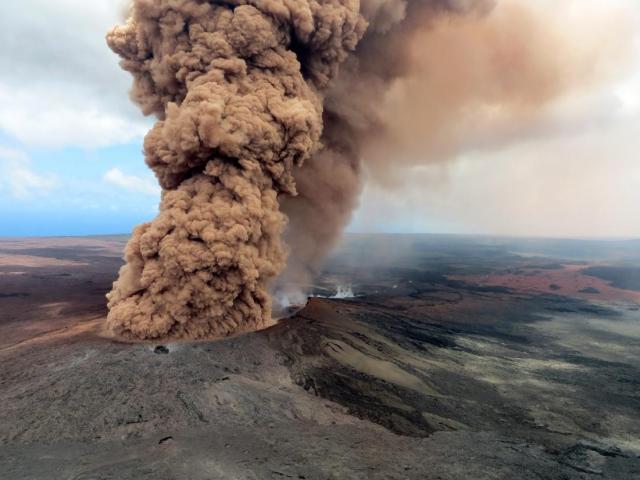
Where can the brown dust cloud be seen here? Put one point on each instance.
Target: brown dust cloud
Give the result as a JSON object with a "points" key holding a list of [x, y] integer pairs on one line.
{"points": [[272, 113]]}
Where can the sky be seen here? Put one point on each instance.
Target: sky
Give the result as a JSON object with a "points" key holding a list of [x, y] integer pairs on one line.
{"points": [[71, 158]]}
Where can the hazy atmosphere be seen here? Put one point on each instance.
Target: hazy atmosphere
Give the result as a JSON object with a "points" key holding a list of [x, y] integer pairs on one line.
{"points": [[319, 239], [547, 149]]}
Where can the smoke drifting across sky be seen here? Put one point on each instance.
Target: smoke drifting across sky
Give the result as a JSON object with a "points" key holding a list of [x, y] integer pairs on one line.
{"points": [[434, 80], [512, 125], [274, 111]]}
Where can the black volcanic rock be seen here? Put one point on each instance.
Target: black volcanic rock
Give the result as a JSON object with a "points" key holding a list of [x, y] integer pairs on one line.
{"points": [[429, 380], [590, 291], [627, 277]]}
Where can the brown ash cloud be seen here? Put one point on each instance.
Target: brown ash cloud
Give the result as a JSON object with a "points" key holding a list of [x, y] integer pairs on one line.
{"points": [[271, 113], [236, 87]]}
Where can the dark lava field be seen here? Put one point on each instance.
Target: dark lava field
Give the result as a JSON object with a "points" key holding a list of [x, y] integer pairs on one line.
{"points": [[450, 358]]}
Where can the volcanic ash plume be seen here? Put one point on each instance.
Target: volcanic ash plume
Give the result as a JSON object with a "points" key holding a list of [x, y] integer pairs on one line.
{"points": [[330, 183], [269, 115], [236, 86], [434, 79]]}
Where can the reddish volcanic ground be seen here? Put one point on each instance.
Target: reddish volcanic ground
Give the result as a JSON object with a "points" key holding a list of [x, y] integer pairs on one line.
{"points": [[569, 279]]}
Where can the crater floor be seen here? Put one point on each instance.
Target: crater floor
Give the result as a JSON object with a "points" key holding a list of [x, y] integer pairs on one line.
{"points": [[457, 358]]}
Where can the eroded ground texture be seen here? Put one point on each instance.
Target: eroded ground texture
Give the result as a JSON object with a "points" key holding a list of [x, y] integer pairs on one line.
{"points": [[456, 358]]}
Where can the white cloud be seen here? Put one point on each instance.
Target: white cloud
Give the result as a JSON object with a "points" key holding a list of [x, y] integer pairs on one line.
{"points": [[40, 118], [582, 185], [133, 183], [60, 85], [19, 179], [628, 93]]}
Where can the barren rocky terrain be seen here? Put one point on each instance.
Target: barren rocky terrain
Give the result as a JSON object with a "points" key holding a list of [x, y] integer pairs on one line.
{"points": [[456, 358]]}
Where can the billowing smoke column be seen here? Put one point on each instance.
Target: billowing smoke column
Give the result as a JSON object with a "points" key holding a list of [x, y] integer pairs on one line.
{"points": [[330, 183], [269, 113], [236, 87], [430, 80]]}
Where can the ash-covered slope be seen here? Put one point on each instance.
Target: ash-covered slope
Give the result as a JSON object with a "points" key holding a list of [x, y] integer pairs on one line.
{"points": [[427, 378], [79, 406]]}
